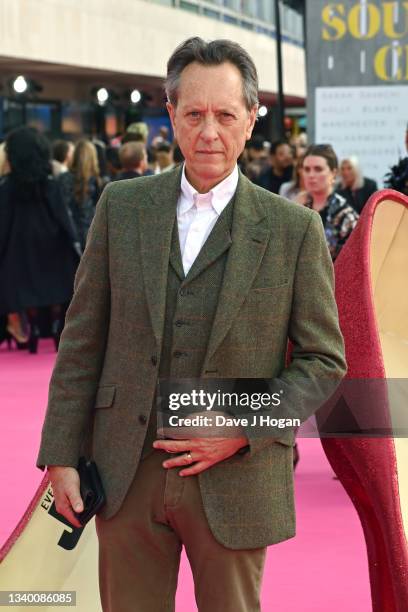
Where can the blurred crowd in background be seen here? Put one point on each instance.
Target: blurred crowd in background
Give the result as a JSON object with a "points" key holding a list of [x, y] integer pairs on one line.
{"points": [[49, 193]]}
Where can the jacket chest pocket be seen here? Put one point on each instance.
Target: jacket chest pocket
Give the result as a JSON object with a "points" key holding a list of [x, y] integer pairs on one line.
{"points": [[265, 302], [261, 318]]}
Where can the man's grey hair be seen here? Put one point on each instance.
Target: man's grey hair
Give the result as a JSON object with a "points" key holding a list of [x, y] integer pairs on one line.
{"points": [[212, 53]]}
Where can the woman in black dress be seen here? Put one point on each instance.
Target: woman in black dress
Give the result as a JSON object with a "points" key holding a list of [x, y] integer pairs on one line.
{"points": [[39, 248]]}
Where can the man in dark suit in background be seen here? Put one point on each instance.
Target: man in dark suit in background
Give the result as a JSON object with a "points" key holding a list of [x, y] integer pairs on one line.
{"points": [[281, 167], [194, 273], [133, 160]]}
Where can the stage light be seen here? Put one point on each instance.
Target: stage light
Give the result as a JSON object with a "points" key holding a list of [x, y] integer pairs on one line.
{"points": [[24, 87], [20, 85], [102, 95], [262, 111], [135, 96]]}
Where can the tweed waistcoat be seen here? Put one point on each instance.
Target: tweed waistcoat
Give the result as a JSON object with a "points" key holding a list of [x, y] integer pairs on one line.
{"points": [[191, 303]]}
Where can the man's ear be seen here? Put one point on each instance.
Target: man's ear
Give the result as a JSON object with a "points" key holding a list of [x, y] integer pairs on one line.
{"points": [[251, 121], [172, 114]]}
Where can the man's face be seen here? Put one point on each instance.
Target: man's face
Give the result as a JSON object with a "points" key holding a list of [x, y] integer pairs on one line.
{"points": [[255, 154], [211, 122], [164, 158], [283, 157]]}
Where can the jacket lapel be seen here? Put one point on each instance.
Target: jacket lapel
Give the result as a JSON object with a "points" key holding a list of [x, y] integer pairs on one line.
{"points": [[175, 253], [157, 219], [250, 235]]}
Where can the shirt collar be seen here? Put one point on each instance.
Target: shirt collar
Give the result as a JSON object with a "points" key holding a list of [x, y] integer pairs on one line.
{"points": [[221, 194]]}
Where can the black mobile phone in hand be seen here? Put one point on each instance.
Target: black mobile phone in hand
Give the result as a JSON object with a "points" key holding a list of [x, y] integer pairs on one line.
{"points": [[91, 489]]}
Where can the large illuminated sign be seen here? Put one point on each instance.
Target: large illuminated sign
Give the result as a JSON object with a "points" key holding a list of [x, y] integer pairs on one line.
{"points": [[363, 46], [386, 24]]}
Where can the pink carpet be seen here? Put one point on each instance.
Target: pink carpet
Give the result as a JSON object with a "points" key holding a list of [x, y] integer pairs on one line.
{"points": [[323, 568]]}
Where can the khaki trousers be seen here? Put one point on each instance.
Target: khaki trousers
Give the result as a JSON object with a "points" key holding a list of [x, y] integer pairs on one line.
{"points": [[139, 549]]}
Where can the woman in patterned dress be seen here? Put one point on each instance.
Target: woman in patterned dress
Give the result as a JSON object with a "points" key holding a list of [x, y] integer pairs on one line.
{"points": [[320, 166]]}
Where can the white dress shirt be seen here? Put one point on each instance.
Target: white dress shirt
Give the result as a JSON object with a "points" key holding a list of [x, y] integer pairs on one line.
{"points": [[197, 214]]}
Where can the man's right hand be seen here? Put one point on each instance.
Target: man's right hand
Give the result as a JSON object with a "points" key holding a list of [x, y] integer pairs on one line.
{"points": [[65, 486]]}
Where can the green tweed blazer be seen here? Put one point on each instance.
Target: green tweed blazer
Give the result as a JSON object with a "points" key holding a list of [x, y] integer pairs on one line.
{"points": [[106, 372]]}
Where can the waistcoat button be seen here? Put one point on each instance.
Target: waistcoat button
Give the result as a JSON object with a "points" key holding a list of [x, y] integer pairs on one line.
{"points": [[142, 419]]}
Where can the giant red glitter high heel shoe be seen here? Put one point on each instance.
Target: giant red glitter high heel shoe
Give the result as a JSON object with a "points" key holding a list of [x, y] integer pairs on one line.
{"points": [[372, 297]]}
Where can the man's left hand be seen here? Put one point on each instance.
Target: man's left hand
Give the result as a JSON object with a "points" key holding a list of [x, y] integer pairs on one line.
{"points": [[199, 453]]}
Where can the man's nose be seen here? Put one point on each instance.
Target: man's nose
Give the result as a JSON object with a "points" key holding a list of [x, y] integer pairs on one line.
{"points": [[209, 130]]}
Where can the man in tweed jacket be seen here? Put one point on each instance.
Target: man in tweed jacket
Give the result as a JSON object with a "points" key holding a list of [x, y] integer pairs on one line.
{"points": [[192, 273]]}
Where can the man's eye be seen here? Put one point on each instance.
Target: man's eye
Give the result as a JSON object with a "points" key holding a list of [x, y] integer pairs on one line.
{"points": [[227, 115], [194, 114]]}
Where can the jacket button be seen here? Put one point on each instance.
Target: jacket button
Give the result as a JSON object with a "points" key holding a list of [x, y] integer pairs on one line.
{"points": [[153, 359], [182, 292], [177, 354], [142, 419], [179, 323]]}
